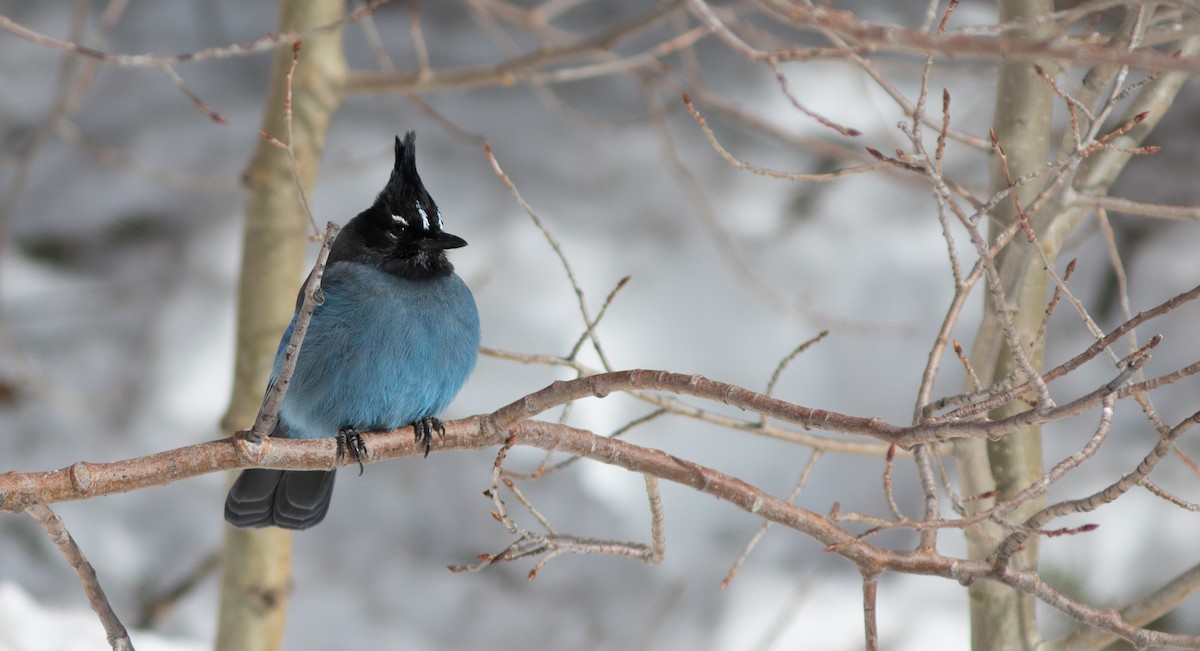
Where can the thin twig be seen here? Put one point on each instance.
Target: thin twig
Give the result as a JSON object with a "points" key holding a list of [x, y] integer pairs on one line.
{"points": [[289, 146], [1142, 208], [158, 605], [787, 360], [591, 327], [268, 414], [261, 45], [580, 299], [762, 528], [887, 485], [870, 584], [418, 39], [766, 171], [1159, 491]]}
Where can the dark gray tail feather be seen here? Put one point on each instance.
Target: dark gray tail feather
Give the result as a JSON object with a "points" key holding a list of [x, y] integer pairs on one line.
{"points": [[291, 499]]}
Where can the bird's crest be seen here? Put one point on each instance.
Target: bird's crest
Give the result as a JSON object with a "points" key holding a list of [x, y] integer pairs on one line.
{"points": [[405, 197]]}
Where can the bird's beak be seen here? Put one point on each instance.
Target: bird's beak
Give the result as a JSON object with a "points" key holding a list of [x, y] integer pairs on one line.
{"points": [[441, 241]]}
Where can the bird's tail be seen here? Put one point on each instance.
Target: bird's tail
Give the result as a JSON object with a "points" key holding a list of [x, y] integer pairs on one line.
{"points": [[291, 499]]}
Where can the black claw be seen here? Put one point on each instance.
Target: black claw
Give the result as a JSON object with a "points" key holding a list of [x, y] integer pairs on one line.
{"points": [[350, 439], [424, 429]]}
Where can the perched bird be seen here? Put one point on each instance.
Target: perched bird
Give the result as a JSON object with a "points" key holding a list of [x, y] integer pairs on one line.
{"points": [[390, 346]]}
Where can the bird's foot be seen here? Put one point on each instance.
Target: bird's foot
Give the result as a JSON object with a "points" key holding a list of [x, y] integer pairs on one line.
{"points": [[424, 428], [349, 439]]}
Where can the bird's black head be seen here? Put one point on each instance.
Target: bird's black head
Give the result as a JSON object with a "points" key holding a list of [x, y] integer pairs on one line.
{"points": [[402, 231]]}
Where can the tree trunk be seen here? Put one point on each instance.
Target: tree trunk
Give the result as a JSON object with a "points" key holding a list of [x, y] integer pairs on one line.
{"points": [[256, 578], [1003, 618]]}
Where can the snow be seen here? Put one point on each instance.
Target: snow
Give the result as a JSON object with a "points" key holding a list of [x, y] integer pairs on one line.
{"points": [[27, 625]]}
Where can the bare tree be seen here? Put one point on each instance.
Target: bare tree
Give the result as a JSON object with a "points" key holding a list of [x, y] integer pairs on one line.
{"points": [[1038, 353]]}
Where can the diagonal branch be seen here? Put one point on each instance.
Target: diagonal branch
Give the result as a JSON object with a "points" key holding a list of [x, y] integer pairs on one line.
{"points": [[118, 637]]}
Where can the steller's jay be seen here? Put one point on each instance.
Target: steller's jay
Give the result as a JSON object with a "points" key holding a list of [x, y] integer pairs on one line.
{"points": [[391, 345]]}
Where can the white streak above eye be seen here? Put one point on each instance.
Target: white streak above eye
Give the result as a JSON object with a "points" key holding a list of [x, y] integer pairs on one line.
{"points": [[438, 218], [424, 217], [397, 219]]}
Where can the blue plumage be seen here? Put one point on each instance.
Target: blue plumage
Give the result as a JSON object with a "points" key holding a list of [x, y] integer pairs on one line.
{"points": [[391, 345], [385, 360]]}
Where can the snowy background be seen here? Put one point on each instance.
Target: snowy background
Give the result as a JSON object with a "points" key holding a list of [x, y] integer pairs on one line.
{"points": [[117, 289]]}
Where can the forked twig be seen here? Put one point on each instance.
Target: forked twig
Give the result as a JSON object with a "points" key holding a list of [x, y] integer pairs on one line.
{"points": [[553, 544]]}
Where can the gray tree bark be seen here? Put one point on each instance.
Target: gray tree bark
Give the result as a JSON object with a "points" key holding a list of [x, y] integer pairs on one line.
{"points": [[256, 577]]}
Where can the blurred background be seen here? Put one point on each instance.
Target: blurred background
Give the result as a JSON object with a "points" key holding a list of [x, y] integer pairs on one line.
{"points": [[119, 244]]}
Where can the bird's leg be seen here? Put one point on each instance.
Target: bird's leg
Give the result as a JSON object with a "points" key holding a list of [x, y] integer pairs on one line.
{"points": [[424, 428], [350, 439]]}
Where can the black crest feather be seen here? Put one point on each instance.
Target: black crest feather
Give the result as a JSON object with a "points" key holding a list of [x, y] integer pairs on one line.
{"points": [[401, 232], [405, 195]]}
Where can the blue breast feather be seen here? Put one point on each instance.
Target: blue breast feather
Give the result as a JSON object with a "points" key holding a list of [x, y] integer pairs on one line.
{"points": [[381, 352]]}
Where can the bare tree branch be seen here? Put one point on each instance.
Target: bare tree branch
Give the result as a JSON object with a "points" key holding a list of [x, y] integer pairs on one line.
{"points": [[1087, 59], [118, 637], [259, 46]]}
